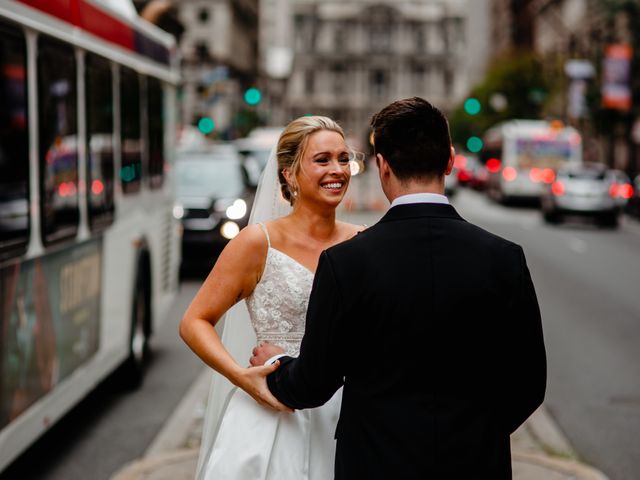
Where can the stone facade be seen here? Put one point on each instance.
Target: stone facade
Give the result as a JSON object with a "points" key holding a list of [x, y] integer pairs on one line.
{"points": [[352, 57]]}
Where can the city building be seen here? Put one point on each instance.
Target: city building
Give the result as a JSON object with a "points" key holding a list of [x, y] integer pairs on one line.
{"points": [[352, 57], [219, 50]]}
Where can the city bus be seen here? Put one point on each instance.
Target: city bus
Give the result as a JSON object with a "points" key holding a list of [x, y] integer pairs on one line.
{"points": [[89, 248], [521, 156]]}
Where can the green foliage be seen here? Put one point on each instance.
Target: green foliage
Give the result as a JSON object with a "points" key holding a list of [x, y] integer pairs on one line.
{"points": [[520, 79]]}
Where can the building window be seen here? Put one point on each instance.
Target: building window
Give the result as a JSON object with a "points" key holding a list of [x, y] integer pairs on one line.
{"points": [[14, 143], [131, 168], [379, 84], [380, 38], [419, 39], [100, 171], [340, 38], [339, 79], [202, 51], [58, 136], [155, 109], [418, 80], [448, 82], [309, 82], [203, 15]]}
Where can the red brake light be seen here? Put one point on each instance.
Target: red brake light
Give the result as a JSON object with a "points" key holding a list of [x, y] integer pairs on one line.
{"points": [[626, 191], [493, 165], [509, 174], [464, 176], [97, 187], [460, 162], [557, 188], [623, 190], [548, 175], [535, 175]]}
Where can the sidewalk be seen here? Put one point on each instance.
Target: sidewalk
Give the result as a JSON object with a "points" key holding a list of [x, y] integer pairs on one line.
{"points": [[540, 451]]}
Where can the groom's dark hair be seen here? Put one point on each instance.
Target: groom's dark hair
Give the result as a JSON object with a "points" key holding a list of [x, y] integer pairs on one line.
{"points": [[413, 137]]}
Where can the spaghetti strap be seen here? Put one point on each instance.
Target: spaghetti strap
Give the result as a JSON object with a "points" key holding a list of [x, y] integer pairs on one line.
{"points": [[266, 233]]}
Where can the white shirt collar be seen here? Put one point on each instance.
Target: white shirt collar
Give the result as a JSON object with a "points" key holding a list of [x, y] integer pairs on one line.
{"points": [[420, 198]]}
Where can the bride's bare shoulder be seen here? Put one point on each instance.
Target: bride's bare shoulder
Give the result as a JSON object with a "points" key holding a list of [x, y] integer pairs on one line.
{"points": [[351, 230]]}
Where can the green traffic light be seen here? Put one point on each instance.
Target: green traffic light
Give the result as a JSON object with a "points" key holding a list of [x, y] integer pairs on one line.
{"points": [[472, 106], [252, 96], [206, 125], [474, 144]]}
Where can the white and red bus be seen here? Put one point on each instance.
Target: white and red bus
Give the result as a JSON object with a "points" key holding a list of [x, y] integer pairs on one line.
{"points": [[521, 156], [89, 249]]}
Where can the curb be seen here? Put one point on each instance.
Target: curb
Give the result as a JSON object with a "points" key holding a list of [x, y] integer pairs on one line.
{"points": [[567, 467]]}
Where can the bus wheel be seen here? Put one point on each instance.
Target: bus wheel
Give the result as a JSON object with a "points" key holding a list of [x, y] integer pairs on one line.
{"points": [[134, 366]]}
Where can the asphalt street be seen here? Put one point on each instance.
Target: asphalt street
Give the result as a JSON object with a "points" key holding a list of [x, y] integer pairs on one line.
{"points": [[588, 285]]}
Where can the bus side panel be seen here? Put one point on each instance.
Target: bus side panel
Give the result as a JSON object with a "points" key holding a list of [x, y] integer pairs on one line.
{"points": [[49, 324]]}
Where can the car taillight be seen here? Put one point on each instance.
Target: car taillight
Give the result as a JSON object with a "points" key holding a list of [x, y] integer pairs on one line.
{"points": [[493, 165], [626, 191], [557, 188], [548, 175], [509, 174], [460, 162], [623, 190], [464, 176], [535, 175]]}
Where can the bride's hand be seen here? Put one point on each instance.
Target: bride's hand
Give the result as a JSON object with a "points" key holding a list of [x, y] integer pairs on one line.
{"points": [[253, 380]]}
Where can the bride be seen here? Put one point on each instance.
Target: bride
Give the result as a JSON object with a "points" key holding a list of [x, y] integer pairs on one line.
{"points": [[271, 265]]}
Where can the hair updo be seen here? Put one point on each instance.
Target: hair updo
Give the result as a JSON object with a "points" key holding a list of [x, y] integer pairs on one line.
{"points": [[291, 147]]}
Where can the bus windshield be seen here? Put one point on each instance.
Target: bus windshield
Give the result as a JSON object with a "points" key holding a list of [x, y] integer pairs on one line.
{"points": [[542, 153]]}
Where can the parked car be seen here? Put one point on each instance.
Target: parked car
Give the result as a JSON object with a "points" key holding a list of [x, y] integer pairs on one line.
{"points": [[213, 202], [588, 190], [471, 172]]}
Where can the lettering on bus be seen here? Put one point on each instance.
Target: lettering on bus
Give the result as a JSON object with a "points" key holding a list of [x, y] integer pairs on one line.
{"points": [[79, 281]]}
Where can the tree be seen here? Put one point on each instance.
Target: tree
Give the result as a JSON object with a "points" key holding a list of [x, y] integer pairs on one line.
{"points": [[516, 81]]}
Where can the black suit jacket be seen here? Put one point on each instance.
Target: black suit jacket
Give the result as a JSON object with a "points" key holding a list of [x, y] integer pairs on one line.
{"points": [[433, 327]]}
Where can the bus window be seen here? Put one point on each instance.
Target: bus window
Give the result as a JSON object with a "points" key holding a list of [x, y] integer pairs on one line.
{"points": [[58, 137], [100, 174], [131, 169], [155, 109], [14, 143]]}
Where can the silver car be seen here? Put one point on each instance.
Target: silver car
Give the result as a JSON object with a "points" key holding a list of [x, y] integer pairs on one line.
{"points": [[589, 189]]}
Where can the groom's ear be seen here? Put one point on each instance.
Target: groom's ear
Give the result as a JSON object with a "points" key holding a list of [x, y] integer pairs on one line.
{"points": [[452, 158]]}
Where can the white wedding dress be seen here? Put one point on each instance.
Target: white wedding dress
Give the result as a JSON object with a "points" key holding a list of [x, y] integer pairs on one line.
{"points": [[256, 443]]}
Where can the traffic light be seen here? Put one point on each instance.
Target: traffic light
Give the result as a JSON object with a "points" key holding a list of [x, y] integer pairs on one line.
{"points": [[252, 96], [472, 106], [206, 125], [474, 144]]}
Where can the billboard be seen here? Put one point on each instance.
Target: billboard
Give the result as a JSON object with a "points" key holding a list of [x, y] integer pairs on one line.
{"points": [[49, 323], [616, 74]]}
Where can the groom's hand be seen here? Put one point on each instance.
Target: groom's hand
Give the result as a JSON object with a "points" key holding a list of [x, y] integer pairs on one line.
{"points": [[253, 380], [264, 352]]}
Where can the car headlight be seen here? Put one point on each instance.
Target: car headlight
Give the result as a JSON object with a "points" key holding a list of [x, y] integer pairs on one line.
{"points": [[237, 210], [178, 212], [229, 230]]}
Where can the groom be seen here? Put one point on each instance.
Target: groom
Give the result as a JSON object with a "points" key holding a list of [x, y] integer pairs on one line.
{"points": [[430, 323]]}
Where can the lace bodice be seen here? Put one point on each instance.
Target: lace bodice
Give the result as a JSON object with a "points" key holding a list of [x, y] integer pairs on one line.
{"points": [[278, 304]]}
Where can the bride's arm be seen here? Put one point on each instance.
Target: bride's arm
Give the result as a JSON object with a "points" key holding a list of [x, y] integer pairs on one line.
{"points": [[233, 278]]}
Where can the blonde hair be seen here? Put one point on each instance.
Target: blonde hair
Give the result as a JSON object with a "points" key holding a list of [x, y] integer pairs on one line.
{"points": [[292, 145]]}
